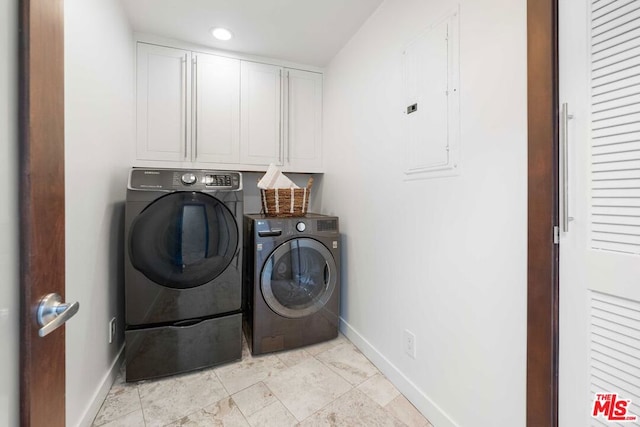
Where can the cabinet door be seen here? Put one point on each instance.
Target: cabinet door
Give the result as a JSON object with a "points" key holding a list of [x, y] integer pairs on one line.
{"points": [[261, 114], [304, 120], [163, 103], [216, 115]]}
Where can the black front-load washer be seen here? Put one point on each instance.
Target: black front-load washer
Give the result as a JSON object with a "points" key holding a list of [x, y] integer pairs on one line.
{"points": [[183, 270], [292, 281]]}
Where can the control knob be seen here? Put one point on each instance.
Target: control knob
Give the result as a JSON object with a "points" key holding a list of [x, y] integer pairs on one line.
{"points": [[301, 226], [189, 178]]}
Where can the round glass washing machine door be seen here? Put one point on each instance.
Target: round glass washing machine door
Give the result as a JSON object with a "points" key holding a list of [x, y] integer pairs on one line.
{"points": [[183, 240], [298, 278]]}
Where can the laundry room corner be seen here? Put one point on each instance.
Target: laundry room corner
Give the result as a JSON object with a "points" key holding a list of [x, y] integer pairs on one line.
{"points": [[435, 269], [99, 132]]}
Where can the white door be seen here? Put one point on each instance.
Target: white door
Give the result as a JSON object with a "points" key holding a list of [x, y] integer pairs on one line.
{"points": [[261, 114], [163, 103], [599, 297], [303, 108], [216, 115]]}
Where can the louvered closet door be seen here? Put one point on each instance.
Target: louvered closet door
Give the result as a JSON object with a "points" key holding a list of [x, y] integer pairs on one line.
{"points": [[600, 250]]}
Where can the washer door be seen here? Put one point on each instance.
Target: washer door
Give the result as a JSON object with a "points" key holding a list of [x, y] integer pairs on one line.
{"points": [[298, 278], [183, 240]]}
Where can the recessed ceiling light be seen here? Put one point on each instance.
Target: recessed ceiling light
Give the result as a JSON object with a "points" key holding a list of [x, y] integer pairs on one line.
{"points": [[221, 33]]}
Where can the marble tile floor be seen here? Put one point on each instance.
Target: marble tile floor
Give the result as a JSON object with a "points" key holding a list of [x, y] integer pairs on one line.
{"points": [[327, 384]]}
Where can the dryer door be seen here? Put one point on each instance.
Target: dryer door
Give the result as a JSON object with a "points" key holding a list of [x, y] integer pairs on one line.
{"points": [[298, 278], [183, 240]]}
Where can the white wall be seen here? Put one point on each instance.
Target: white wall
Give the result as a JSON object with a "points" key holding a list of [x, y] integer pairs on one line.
{"points": [[446, 257], [9, 305], [99, 130]]}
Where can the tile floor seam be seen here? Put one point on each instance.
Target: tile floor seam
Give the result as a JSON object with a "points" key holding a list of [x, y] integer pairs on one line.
{"points": [[117, 418], [144, 421], [215, 372], [320, 409], [244, 416], [93, 423], [281, 402], [350, 368]]}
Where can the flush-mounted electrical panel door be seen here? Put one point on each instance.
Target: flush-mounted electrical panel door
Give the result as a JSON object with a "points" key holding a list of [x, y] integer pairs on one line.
{"points": [[431, 101]]}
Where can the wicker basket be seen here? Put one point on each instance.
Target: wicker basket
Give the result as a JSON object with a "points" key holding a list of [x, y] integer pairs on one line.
{"points": [[286, 202]]}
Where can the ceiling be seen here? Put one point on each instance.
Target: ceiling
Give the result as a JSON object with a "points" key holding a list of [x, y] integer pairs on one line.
{"points": [[309, 32]]}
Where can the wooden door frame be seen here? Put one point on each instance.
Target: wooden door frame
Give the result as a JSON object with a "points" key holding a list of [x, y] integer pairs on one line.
{"points": [[42, 199], [542, 278], [543, 254]]}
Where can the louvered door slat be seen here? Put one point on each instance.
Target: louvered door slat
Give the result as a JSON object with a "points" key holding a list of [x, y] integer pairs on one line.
{"points": [[622, 71], [629, 121], [604, 167], [616, 220], [615, 126], [615, 211], [615, 147], [611, 66], [615, 348], [621, 138], [616, 109], [615, 184], [620, 234], [614, 45], [619, 155], [602, 91], [602, 10], [602, 351], [597, 193], [618, 14]]}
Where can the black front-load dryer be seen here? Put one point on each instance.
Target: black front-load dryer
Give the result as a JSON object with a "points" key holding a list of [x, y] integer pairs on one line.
{"points": [[292, 281], [183, 270]]}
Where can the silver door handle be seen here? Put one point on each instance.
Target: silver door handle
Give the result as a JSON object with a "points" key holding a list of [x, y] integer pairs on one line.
{"points": [[52, 313], [564, 146]]}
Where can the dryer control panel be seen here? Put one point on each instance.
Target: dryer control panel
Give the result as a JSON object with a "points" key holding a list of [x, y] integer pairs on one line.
{"points": [[184, 180]]}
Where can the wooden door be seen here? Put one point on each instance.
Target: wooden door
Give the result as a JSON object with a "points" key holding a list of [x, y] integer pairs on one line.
{"points": [[42, 256], [542, 253]]}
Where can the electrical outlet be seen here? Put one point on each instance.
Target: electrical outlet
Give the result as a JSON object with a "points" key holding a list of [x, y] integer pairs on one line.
{"points": [[410, 343], [112, 330]]}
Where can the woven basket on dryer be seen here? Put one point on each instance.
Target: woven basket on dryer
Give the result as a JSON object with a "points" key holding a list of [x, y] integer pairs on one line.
{"points": [[286, 202]]}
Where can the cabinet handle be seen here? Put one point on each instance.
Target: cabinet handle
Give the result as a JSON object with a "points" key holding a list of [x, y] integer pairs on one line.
{"points": [[280, 141], [288, 116], [184, 100], [194, 107]]}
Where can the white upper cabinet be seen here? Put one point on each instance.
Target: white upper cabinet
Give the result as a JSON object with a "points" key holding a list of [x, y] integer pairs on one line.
{"points": [[216, 112], [261, 114], [209, 111], [163, 103], [303, 105]]}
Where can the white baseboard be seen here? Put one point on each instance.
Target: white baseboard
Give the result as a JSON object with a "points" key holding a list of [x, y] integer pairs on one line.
{"points": [[408, 388], [102, 391]]}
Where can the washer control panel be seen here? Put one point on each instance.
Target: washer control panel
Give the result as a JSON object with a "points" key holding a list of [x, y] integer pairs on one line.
{"points": [[295, 227], [184, 180]]}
